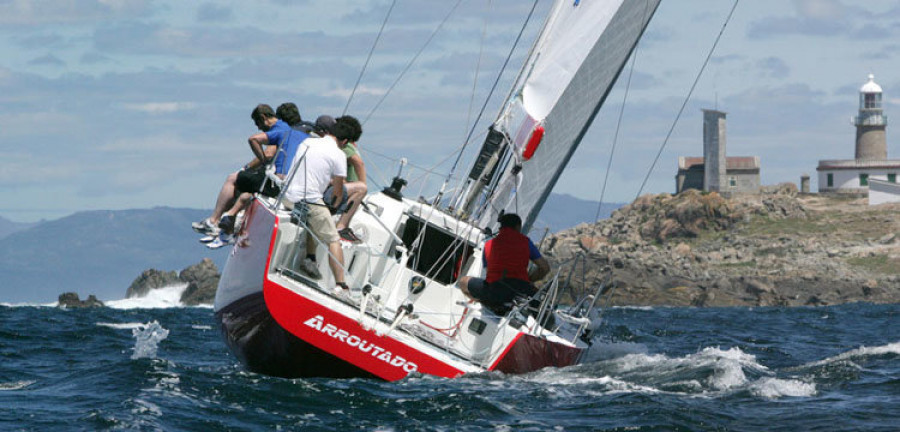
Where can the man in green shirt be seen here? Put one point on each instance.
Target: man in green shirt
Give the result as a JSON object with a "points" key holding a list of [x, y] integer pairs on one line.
{"points": [[356, 190]]}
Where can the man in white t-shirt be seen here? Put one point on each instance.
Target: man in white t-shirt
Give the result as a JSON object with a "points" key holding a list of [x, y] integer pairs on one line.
{"points": [[319, 162]]}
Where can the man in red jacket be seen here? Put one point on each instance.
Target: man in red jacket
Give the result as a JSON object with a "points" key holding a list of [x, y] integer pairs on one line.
{"points": [[506, 257]]}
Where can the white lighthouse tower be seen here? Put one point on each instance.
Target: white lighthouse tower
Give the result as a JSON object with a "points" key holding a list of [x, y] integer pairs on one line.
{"points": [[871, 143], [871, 165]]}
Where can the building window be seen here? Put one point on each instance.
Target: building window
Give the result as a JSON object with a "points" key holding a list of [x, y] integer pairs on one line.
{"points": [[892, 178], [732, 181], [863, 179], [830, 180]]}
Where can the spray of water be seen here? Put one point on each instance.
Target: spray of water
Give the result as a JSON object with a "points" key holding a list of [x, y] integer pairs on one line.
{"points": [[147, 338]]}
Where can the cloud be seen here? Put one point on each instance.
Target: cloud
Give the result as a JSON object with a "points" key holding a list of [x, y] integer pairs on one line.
{"points": [[211, 12], [94, 58], [160, 107], [825, 18], [821, 10], [47, 60], [775, 27], [773, 67], [148, 38], [39, 40], [39, 12]]}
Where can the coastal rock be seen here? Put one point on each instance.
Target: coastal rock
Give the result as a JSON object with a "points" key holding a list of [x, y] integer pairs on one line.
{"points": [[202, 279], [777, 248], [71, 300], [151, 279]]}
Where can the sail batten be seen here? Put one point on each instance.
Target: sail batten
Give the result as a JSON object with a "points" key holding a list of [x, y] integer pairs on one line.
{"points": [[572, 69]]}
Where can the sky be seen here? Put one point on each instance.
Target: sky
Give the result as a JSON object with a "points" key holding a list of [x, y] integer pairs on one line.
{"points": [[117, 104]]}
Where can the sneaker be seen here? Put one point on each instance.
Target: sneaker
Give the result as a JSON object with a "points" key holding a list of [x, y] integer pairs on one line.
{"points": [[347, 234], [341, 290], [205, 227], [220, 241], [309, 267], [208, 238], [226, 224]]}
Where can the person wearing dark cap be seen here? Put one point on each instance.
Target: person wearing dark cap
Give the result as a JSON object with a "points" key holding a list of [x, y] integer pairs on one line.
{"points": [[506, 258], [323, 125]]}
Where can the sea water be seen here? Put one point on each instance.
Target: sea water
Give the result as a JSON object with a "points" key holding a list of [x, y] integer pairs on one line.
{"points": [[164, 367]]}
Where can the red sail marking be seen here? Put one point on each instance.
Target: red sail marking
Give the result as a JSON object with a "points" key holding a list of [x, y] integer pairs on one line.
{"points": [[533, 142]]}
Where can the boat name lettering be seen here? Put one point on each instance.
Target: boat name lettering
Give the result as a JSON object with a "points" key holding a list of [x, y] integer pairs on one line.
{"points": [[318, 322]]}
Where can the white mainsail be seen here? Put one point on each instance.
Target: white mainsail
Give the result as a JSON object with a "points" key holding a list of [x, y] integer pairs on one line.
{"points": [[572, 67]]}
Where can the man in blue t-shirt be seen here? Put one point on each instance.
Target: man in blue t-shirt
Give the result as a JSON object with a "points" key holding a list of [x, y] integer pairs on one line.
{"points": [[281, 142], [264, 117], [281, 135]]}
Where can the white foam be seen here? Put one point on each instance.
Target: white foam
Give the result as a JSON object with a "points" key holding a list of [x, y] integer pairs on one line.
{"points": [[891, 348], [640, 308], [147, 338], [121, 326], [16, 305], [772, 388], [728, 366], [15, 385], [159, 298]]}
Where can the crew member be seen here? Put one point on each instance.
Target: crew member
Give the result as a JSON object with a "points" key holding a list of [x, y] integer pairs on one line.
{"points": [[506, 257]]}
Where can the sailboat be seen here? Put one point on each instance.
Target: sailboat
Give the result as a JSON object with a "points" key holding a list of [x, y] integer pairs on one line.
{"points": [[404, 313]]}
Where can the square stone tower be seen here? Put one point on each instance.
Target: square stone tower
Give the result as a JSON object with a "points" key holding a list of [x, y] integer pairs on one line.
{"points": [[714, 178]]}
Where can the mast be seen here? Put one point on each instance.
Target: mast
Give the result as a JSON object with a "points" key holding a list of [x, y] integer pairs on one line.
{"points": [[572, 67]]}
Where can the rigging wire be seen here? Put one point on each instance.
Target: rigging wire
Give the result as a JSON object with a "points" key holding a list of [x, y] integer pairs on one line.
{"points": [[612, 151], [477, 69], [369, 57], [687, 98], [494, 86], [411, 61]]}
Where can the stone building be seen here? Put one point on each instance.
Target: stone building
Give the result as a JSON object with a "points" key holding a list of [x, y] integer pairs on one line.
{"points": [[715, 171], [871, 162]]}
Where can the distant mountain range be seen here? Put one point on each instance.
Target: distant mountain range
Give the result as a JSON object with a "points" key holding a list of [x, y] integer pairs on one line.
{"points": [[8, 227], [563, 211], [98, 252], [102, 252]]}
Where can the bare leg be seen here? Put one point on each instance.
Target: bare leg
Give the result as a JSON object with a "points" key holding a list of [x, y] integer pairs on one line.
{"points": [[336, 261], [356, 191], [240, 203], [310, 244], [226, 198]]}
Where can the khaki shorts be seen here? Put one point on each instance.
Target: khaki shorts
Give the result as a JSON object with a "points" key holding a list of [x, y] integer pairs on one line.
{"points": [[321, 223]]}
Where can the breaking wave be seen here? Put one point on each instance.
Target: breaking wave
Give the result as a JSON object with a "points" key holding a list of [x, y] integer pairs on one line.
{"points": [[166, 297], [711, 372]]}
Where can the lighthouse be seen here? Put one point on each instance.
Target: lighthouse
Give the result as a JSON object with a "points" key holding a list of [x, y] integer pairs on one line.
{"points": [[871, 167], [870, 123]]}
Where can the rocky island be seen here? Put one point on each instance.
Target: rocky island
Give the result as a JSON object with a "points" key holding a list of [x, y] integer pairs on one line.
{"points": [[777, 248], [201, 279]]}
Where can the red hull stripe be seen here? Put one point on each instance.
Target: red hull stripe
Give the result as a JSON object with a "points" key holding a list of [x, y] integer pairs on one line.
{"points": [[343, 337]]}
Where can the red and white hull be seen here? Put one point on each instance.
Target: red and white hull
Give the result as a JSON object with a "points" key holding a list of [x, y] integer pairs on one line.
{"points": [[278, 322]]}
